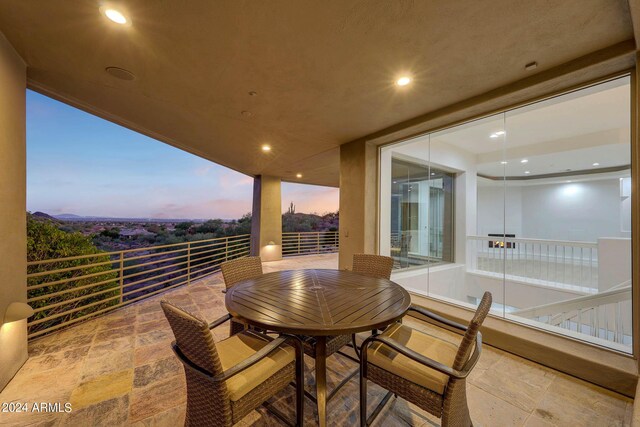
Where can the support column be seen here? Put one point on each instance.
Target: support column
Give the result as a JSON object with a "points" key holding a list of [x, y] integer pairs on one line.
{"points": [[266, 218], [13, 237], [358, 201]]}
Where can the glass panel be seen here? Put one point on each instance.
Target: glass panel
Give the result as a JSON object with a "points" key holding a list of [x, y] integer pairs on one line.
{"points": [[479, 213], [570, 201], [533, 205]]}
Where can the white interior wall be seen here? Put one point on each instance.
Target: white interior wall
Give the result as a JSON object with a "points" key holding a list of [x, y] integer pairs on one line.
{"points": [[494, 216], [580, 211]]}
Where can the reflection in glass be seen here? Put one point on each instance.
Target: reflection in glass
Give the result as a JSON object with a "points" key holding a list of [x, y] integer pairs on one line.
{"points": [[421, 214]]}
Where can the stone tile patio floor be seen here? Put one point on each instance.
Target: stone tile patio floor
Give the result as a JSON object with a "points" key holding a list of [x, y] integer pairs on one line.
{"points": [[118, 369]]}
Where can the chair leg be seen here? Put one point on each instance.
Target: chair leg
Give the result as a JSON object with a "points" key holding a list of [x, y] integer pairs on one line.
{"points": [[355, 346], [299, 384], [363, 397], [455, 411]]}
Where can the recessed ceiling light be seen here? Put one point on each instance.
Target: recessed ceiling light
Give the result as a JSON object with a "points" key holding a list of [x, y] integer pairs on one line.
{"points": [[253, 93], [504, 162], [531, 66], [433, 173], [500, 132], [403, 81], [395, 182], [527, 172], [524, 161], [569, 182], [497, 134], [266, 148], [298, 175], [246, 113], [596, 164], [116, 16]]}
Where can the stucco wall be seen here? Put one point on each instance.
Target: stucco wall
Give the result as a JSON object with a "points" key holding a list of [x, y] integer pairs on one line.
{"points": [[266, 221], [358, 196], [13, 248]]}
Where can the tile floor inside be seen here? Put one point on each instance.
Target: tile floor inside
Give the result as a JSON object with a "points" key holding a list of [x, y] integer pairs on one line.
{"points": [[118, 369]]}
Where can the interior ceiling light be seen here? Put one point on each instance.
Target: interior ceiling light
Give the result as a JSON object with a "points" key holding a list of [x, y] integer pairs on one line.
{"points": [[497, 134], [253, 93], [504, 162], [527, 172], [298, 175], [531, 66], [596, 164], [524, 161], [114, 15], [246, 113], [266, 148], [403, 81]]}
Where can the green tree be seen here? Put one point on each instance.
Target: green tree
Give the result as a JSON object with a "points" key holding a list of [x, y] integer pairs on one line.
{"points": [[112, 233], [44, 242], [184, 226]]}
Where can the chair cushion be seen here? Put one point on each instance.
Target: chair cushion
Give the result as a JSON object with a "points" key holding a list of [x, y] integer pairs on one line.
{"points": [[239, 347], [427, 345]]}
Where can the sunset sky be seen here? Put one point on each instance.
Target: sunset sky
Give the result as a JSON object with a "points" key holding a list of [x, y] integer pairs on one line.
{"points": [[78, 163]]}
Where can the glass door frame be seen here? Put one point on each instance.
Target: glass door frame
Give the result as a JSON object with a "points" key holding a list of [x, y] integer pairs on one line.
{"points": [[633, 74]]}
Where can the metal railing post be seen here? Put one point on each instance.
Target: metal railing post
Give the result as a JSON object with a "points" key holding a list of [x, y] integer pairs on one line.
{"points": [[318, 240], [188, 263], [298, 243], [226, 248], [121, 276]]}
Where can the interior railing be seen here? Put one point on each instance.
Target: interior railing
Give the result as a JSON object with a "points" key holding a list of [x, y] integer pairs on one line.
{"points": [[605, 315], [535, 260]]}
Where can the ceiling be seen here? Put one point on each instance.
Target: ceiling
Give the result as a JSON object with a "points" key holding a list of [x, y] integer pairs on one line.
{"points": [[586, 130], [323, 72]]}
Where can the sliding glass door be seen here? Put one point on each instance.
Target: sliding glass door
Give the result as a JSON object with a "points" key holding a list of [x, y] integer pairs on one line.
{"points": [[533, 204]]}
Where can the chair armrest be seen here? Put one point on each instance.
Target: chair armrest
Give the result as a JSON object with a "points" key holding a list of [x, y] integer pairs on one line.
{"points": [[437, 318], [413, 355], [219, 321], [477, 349]]}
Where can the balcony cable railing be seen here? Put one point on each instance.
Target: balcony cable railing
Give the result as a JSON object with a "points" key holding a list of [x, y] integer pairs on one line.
{"points": [[64, 291], [309, 243]]}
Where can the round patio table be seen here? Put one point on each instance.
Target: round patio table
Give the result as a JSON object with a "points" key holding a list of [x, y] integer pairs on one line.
{"points": [[318, 303]]}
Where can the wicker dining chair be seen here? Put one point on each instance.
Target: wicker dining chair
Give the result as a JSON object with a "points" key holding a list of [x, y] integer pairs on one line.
{"points": [[367, 265], [229, 379], [374, 266], [423, 369], [235, 271]]}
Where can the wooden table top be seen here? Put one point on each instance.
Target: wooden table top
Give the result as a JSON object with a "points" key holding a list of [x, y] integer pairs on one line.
{"points": [[317, 302]]}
